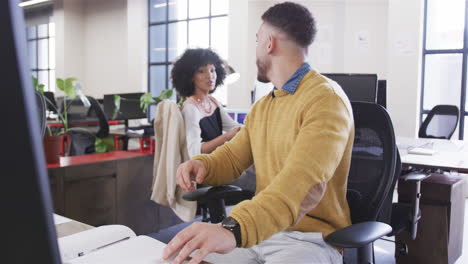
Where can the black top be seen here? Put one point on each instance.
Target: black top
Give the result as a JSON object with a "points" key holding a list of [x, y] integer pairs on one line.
{"points": [[211, 126]]}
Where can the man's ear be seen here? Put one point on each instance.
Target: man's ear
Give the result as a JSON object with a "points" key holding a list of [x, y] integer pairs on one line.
{"points": [[271, 43]]}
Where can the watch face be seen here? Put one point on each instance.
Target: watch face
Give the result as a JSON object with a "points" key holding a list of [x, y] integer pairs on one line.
{"points": [[230, 223]]}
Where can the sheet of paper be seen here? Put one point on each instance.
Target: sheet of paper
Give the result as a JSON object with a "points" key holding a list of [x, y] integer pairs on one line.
{"points": [[58, 219], [137, 250], [82, 243]]}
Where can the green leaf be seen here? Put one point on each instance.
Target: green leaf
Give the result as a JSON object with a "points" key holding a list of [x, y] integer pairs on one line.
{"points": [[40, 88], [165, 94], [181, 101], [69, 88], [145, 101], [117, 99], [104, 144], [60, 84]]}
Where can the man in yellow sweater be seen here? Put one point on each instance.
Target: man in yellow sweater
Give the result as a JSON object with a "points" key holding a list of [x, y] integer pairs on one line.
{"points": [[299, 137]]}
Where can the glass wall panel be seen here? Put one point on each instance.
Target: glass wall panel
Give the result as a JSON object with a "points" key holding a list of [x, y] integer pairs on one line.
{"points": [[177, 39], [199, 33], [177, 9], [219, 36], [158, 11], [442, 80], [157, 43], [199, 8], [445, 24]]}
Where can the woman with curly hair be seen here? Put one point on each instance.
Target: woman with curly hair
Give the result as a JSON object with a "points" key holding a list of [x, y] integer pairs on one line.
{"points": [[195, 75]]}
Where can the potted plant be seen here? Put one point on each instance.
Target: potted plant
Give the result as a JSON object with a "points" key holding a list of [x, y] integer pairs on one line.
{"points": [[53, 139]]}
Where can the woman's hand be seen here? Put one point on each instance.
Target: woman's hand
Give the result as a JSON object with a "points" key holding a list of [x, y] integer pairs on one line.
{"points": [[231, 133]]}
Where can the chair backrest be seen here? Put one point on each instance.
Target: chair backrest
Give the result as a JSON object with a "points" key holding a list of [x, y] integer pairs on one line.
{"points": [[82, 142], [51, 103], [373, 161], [79, 114], [441, 122], [41, 105]]}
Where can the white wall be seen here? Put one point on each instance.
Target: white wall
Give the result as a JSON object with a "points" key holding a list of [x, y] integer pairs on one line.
{"points": [[404, 64], [103, 43], [336, 48]]}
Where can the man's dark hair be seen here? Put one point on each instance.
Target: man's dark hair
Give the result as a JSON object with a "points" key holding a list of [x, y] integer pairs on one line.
{"points": [[185, 67], [294, 20]]}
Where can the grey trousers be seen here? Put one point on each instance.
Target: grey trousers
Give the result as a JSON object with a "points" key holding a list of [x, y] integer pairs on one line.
{"points": [[291, 247]]}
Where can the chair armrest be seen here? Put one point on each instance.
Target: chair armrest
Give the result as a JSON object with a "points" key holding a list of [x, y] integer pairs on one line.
{"points": [[211, 193], [415, 176], [358, 235]]}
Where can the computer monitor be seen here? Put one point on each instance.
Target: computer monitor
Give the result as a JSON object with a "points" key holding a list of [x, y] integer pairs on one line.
{"points": [[358, 87], [28, 230], [382, 93], [129, 106]]}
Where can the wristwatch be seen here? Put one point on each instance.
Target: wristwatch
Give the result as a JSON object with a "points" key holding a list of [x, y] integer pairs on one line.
{"points": [[232, 225]]}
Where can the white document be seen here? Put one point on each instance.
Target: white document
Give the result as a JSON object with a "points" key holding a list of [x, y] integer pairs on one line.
{"points": [[421, 151], [111, 244], [58, 219]]}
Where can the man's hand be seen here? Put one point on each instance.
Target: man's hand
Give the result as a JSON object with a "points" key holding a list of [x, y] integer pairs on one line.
{"points": [[206, 237], [189, 171]]}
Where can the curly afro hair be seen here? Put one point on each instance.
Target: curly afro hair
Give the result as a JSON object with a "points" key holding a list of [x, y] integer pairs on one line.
{"points": [[294, 20], [185, 67]]}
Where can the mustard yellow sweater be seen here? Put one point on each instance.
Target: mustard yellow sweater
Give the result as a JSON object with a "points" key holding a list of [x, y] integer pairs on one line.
{"points": [[301, 146]]}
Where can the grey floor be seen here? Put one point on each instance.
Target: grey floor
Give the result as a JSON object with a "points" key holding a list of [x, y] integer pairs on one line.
{"points": [[384, 251]]}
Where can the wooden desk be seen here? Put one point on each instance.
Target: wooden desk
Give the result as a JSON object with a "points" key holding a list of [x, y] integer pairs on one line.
{"points": [[450, 154], [109, 188], [440, 231]]}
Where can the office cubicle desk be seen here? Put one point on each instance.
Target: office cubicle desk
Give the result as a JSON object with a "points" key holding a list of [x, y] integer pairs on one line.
{"points": [[440, 231], [451, 155], [109, 188]]}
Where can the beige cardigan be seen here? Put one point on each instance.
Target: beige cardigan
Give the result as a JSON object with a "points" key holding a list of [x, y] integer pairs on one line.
{"points": [[170, 152]]}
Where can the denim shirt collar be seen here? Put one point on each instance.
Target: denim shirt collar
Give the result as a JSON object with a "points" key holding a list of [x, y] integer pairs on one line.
{"points": [[291, 84]]}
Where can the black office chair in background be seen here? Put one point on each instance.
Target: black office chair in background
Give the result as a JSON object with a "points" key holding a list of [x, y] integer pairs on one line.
{"points": [[441, 122], [41, 105], [92, 119], [50, 102]]}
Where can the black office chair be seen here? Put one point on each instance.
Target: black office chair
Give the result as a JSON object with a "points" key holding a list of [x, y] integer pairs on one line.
{"points": [[441, 122], [41, 105], [50, 102], [371, 176], [375, 169], [82, 140], [212, 202]]}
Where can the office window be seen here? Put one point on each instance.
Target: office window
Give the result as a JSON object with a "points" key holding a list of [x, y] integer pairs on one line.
{"points": [[445, 54], [41, 51], [175, 25]]}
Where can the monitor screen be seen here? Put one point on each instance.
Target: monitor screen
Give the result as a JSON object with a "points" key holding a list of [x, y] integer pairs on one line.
{"points": [[358, 87], [28, 227], [129, 106]]}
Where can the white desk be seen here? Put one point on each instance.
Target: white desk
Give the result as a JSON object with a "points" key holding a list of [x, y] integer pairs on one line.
{"points": [[449, 155]]}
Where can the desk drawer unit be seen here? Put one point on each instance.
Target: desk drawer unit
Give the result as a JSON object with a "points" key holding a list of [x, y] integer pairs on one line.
{"points": [[440, 230]]}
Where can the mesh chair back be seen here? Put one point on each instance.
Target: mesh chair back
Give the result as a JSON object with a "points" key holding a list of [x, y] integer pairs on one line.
{"points": [[92, 117], [83, 142], [51, 103], [441, 122], [41, 105], [373, 161]]}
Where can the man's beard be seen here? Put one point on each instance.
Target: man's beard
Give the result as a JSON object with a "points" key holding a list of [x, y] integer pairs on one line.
{"points": [[262, 69]]}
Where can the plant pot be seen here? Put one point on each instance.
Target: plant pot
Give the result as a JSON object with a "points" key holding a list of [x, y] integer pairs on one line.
{"points": [[53, 148]]}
